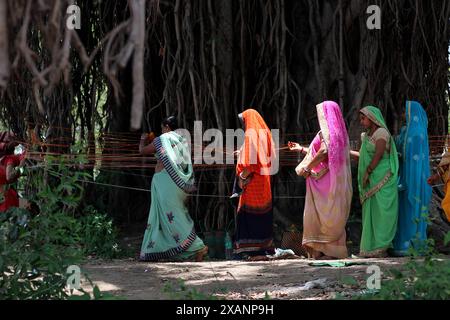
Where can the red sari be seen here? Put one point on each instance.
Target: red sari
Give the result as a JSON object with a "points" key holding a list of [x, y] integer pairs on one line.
{"points": [[11, 198]]}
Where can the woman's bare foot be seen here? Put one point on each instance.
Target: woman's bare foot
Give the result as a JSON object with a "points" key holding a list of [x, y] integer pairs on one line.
{"points": [[201, 254], [313, 254]]}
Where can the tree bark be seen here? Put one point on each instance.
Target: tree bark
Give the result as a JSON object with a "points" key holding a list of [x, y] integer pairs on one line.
{"points": [[138, 39], [4, 47]]}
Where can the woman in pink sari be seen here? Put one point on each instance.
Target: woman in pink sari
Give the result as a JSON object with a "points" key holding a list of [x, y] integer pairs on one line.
{"points": [[326, 169]]}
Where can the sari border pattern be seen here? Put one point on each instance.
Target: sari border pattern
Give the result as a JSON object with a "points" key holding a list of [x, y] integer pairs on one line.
{"points": [[155, 256], [376, 188], [189, 186]]}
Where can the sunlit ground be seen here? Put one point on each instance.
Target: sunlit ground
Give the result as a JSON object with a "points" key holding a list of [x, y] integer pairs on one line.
{"points": [[282, 279]]}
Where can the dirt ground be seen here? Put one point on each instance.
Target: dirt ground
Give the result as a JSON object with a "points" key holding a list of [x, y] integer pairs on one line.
{"points": [[280, 279]]}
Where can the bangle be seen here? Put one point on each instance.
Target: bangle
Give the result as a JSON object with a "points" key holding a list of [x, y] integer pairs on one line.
{"points": [[240, 176], [307, 169]]}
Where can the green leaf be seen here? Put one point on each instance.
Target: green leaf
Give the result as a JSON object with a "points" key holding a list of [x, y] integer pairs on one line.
{"points": [[97, 293], [350, 281], [447, 239], [85, 296], [396, 273]]}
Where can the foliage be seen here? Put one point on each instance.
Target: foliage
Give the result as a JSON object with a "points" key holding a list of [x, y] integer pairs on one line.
{"points": [[59, 187], [99, 235], [425, 276], [428, 280], [181, 292], [35, 253], [37, 248]]}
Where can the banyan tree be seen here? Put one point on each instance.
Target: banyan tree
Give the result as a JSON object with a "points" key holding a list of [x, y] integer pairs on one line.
{"points": [[131, 63]]}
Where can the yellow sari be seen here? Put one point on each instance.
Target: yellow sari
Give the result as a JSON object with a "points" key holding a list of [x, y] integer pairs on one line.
{"points": [[445, 175]]}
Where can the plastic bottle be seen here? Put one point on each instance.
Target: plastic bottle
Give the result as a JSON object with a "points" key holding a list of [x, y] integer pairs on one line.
{"points": [[228, 247]]}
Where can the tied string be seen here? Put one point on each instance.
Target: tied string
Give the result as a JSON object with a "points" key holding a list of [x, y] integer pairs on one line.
{"points": [[116, 152], [60, 175], [119, 150]]}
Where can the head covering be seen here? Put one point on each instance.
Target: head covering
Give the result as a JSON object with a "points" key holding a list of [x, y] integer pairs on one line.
{"points": [[413, 142], [375, 115], [258, 150], [6, 138], [173, 151], [334, 132]]}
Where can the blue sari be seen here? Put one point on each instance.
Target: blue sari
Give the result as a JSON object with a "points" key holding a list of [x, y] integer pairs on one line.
{"points": [[414, 191]]}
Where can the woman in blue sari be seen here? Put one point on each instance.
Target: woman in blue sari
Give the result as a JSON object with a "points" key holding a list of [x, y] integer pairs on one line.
{"points": [[414, 191]]}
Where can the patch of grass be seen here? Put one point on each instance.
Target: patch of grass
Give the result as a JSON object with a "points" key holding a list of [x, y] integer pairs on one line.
{"points": [[180, 291], [424, 277]]}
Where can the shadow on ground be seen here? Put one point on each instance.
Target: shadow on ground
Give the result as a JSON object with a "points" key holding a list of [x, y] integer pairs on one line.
{"points": [[280, 279]]}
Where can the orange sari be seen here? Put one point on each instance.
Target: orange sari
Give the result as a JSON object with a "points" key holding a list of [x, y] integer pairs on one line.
{"points": [[254, 234]]}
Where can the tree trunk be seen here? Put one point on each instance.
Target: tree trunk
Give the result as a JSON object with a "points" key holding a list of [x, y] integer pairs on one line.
{"points": [[138, 39], [4, 45]]}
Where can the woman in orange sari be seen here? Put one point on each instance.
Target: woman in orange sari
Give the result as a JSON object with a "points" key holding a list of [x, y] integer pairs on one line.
{"points": [[254, 225]]}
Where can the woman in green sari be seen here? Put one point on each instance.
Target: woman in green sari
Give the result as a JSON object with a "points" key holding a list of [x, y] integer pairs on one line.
{"points": [[170, 233], [377, 182]]}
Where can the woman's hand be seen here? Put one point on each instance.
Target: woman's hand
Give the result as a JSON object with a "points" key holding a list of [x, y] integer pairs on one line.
{"points": [[145, 146], [366, 179], [294, 146], [144, 137], [303, 172], [354, 155], [432, 180], [244, 182], [22, 162]]}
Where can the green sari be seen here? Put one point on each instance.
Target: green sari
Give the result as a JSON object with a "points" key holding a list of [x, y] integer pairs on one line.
{"points": [[170, 233], [380, 198]]}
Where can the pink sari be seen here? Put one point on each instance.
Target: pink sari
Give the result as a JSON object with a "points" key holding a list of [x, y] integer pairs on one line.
{"points": [[329, 188]]}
